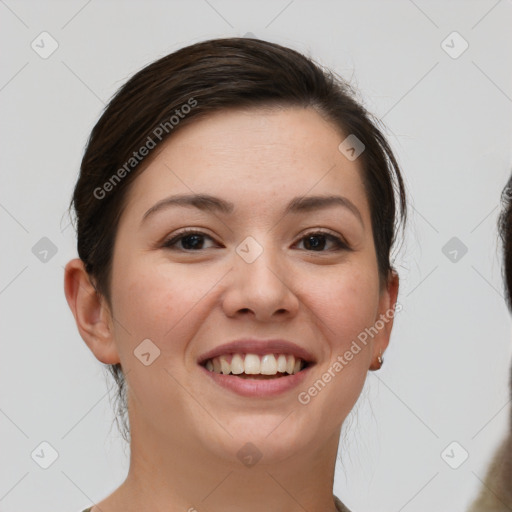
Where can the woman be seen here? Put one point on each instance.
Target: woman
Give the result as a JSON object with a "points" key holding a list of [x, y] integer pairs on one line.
{"points": [[235, 215]]}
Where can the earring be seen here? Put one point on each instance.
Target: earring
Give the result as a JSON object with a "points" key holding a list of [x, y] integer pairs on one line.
{"points": [[378, 365]]}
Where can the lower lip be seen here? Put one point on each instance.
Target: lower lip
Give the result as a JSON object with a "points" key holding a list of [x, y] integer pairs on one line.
{"points": [[258, 388]]}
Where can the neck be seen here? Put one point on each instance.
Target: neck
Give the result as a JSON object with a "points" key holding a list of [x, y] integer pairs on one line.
{"points": [[176, 473]]}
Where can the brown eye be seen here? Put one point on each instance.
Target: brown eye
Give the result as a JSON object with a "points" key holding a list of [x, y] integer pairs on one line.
{"points": [[317, 241], [190, 241]]}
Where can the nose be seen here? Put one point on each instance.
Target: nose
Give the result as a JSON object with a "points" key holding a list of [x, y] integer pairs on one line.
{"points": [[260, 288]]}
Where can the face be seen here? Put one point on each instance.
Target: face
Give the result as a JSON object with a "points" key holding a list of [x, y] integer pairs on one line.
{"points": [[308, 275]]}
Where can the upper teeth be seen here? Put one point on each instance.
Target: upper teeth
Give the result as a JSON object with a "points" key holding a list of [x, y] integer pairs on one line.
{"points": [[268, 364]]}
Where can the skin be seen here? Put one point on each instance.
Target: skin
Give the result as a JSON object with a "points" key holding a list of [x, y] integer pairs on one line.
{"points": [[186, 431]]}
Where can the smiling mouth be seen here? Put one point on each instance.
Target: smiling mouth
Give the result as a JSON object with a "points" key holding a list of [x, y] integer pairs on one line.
{"points": [[256, 367]]}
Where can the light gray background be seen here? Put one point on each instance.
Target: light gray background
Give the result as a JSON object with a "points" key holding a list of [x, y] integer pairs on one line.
{"points": [[449, 121]]}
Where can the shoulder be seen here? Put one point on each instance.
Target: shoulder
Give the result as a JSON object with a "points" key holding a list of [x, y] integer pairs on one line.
{"points": [[340, 507]]}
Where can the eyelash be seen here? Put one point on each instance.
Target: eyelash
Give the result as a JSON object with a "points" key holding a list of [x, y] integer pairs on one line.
{"points": [[340, 245]]}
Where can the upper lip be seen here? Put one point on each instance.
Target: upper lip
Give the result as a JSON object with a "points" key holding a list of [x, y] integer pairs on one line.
{"points": [[260, 347]]}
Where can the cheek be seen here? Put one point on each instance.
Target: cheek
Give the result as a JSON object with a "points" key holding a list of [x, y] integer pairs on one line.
{"points": [[159, 302], [344, 304], [348, 306], [347, 303]]}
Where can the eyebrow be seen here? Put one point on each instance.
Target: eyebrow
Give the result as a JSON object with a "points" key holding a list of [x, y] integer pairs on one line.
{"points": [[207, 202]]}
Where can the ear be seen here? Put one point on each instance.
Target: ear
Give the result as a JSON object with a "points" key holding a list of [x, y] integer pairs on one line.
{"points": [[386, 314], [92, 315]]}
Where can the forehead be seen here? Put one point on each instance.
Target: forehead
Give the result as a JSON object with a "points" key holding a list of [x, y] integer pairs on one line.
{"points": [[253, 156]]}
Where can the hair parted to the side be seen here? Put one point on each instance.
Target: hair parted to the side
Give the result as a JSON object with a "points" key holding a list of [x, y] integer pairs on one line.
{"points": [[185, 86]]}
